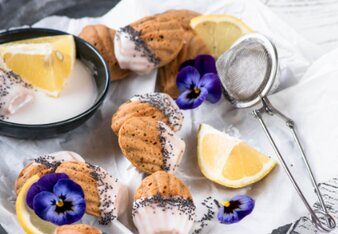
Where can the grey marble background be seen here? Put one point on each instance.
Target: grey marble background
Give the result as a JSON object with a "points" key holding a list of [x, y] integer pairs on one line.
{"points": [[316, 20], [14, 13]]}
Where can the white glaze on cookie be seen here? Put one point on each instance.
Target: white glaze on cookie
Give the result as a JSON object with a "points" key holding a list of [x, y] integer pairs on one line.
{"points": [[163, 215], [113, 194], [132, 53], [14, 93], [172, 148], [55, 159]]}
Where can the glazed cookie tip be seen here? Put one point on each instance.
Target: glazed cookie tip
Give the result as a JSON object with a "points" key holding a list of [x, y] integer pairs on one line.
{"points": [[165, 198]]}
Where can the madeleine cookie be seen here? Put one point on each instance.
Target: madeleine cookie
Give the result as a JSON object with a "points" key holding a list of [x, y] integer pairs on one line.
{"points": [[158, 106], [192, 47], [44, 165], [77, 229], [105, 196], [163, 197], [148, 43], [102, 38], [150, 145], [14, 92], [183, 16]]}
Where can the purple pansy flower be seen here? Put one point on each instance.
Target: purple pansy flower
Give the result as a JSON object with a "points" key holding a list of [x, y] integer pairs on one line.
{"points": [[198, 81], [236, 209], [57, 199]]}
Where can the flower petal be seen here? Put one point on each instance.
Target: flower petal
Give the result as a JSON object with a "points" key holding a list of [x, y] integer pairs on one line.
{"points": [[189, 62], [185, 102], [46, 210], [73, 193], [246, 205], [57, 218], [77, 213], [45, 183], [211, 82], [33, 190], [227, 218], [68, 188], [205, 63], [67, 217], [43, 202], [187, 78]]}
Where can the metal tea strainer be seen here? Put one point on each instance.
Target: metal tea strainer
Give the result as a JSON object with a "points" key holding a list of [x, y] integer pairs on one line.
{"points": [[248, 72]]}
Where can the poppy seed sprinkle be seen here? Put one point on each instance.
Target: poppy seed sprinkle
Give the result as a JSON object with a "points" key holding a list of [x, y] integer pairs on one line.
{"points": [[171, 158], [48, 161], [166, 105], [184, 206], [210, 210], [10, 83], [108, 189], [140, 44]]}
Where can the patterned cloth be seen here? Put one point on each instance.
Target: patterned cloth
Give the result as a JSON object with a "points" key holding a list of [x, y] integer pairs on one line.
{"points": [[329, 192]]}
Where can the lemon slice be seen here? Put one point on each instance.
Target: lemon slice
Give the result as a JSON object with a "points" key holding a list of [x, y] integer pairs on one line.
{"points": [[28, 220], [229, 161], [44, 62], [219, 32]]}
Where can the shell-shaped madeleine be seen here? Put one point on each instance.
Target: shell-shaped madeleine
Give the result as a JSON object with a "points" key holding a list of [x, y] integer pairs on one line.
{"points": [[77, 229], [43, 165], [163, 36], [139, 140], [164, 184], [28, 171], [105, 197], [80, 173], [183, 16], [102, 38], [132, 109], [158, 106], [150, 145], [164, 198]]}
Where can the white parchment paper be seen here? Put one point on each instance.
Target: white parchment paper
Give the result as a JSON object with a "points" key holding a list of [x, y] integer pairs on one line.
{"points": [[310, 99]]}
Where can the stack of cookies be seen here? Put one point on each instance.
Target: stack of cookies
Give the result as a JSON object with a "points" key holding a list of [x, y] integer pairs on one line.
{"points": [[106, 198], [146, 126], [161, 41]]}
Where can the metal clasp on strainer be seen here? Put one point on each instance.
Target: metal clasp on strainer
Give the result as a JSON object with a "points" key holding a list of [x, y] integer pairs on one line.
{"points": [[248, 72]]}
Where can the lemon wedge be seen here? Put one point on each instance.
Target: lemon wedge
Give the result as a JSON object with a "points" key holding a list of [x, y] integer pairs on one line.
{"points": [[229, 161], [218, 32], [28, 220], [44, 62]]}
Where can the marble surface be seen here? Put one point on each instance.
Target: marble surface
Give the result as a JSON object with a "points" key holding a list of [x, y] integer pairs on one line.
{"points": [[316, 20], [14, 13]]}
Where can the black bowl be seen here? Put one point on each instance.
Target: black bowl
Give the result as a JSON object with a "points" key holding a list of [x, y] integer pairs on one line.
{"points": [[86, 53]]}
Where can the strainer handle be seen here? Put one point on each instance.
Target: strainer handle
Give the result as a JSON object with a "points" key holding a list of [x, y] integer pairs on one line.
{"points": [[324, 223]]}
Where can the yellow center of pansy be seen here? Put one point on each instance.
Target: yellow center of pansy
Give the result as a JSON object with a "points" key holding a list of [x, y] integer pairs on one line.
{"points": [[226, 203], [197, 91], [59, 203]]}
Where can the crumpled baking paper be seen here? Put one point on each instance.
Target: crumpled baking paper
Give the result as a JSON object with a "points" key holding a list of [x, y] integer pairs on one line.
{"points": [[306, 93]]}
